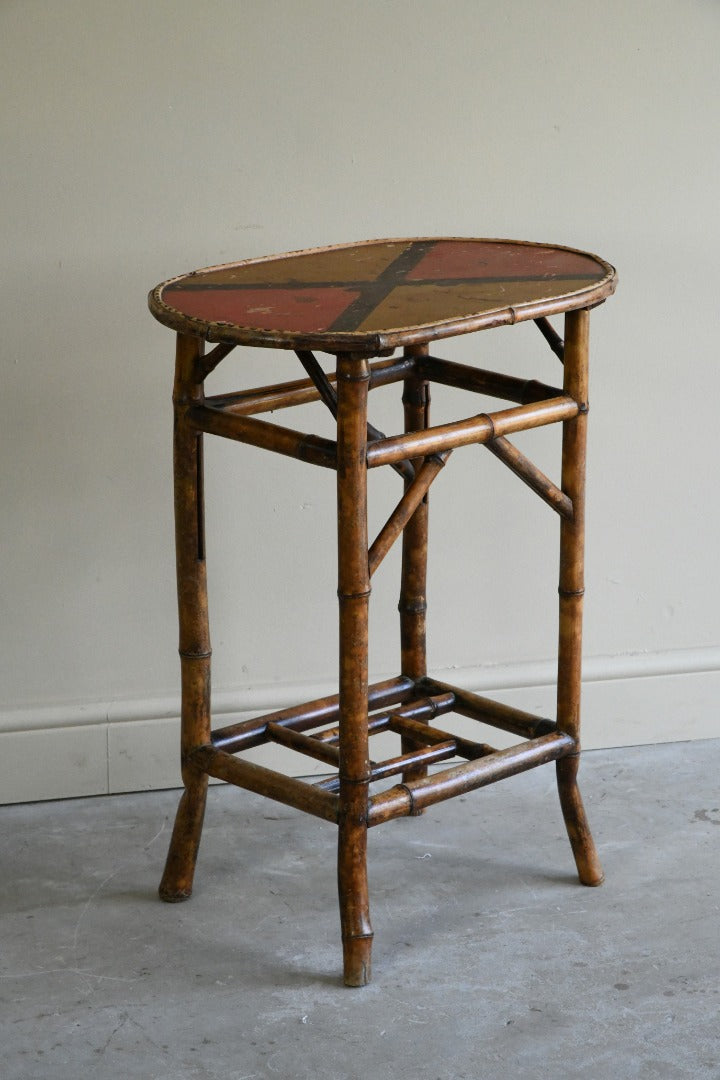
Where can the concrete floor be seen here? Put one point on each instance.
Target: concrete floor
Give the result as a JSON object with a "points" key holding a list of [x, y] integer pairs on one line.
{"points": [[489, 961]]}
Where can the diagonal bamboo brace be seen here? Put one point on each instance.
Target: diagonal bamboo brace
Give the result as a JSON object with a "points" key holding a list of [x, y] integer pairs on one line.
{"points": [[405, 509], [529, 473], [552, 337]]}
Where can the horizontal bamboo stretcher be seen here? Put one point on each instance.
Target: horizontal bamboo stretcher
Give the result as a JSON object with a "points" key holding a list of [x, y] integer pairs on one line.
{"points": [[405, 707], [231, 416]]}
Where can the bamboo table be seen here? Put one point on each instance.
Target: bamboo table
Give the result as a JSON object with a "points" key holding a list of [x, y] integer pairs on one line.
{"points": [[361, 302]]}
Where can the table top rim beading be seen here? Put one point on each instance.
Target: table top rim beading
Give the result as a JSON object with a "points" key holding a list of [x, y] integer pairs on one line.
{"points": [[376, 340]]}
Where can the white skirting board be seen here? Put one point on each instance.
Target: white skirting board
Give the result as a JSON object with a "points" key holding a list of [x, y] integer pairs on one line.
{"points": [[105, 748]]}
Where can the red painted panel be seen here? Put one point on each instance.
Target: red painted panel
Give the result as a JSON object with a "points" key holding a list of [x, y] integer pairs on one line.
{"points": [[302, 309], [460, 259]]}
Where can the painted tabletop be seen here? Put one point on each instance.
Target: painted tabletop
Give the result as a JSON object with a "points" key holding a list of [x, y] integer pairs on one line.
{"points": [[381, 293]]}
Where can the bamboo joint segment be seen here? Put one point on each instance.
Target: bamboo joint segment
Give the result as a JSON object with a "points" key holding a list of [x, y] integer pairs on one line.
{"points": [[529, 473], [476, 429], [409, 797], [267, 436]]}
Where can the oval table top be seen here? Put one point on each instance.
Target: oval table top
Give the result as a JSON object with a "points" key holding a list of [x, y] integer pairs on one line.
{"points": [[380, 294]]}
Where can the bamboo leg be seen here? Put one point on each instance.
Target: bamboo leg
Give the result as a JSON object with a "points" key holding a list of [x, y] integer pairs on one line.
{"points": [[571, 589], [354, 594], [413, 604], [177, 879]]}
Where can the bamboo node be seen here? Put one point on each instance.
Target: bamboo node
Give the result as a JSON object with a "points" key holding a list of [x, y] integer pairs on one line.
{"points": [[488, 417], [413, 607], [571, 592], [352, 378], [195, 655], [415, 395], [353, 595], [433, 708], [357, 781], [408, 792]]}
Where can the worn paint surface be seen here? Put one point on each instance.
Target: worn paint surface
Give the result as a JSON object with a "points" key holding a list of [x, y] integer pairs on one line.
{"points": [[380, 286]]}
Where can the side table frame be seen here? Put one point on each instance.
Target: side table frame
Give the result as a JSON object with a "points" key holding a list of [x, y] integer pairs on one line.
{"points": [[409, 703]]}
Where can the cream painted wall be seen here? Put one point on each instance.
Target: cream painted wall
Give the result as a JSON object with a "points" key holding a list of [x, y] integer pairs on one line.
{"points": [[140, 140]]}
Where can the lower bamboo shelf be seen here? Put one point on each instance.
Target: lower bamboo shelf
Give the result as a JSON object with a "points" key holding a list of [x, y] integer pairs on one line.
{"points": [[399, 705]]}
